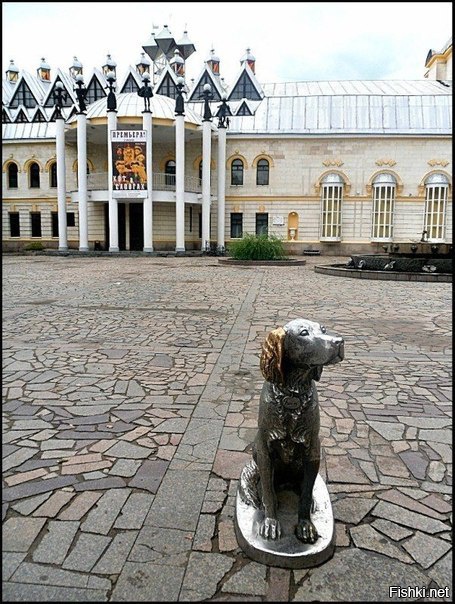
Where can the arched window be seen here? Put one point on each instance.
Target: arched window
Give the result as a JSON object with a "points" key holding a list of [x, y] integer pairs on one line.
{"points": [[34, 179], [169, 170], [436, 192], [12, 175], [53, 175], [237, 172], [384, 190], [331, 199], [262, 172]]}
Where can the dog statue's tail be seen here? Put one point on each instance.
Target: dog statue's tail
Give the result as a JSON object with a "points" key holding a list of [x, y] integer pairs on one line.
{"points": [[248, 485]]}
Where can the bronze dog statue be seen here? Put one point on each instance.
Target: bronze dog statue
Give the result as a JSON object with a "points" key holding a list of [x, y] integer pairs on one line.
{"points": [[287, 449]]}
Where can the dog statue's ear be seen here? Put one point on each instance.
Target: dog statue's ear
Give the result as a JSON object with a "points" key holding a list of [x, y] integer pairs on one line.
{"points": [[272, 356], [316, 373]]}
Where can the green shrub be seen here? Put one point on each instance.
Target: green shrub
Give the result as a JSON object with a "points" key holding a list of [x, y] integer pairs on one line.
{"points": [[34, 246], [257, 247]]}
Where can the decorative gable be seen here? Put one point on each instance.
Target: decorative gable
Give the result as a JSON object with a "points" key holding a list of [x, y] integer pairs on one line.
{"points": [[246, 86]]}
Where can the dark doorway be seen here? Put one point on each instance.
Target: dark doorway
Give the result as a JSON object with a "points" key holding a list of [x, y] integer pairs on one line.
{"points": [[121, 226], [136, 226]]}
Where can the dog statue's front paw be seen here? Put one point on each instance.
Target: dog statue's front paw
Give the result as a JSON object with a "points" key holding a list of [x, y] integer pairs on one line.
{"points": [[306, 532], [270, 528]]}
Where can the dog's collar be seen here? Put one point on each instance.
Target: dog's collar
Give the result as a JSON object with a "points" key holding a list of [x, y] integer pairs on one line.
{"points": [[292, 399]]}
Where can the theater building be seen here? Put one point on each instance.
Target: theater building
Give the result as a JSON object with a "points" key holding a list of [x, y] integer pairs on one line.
{"points": [[145, 160]]}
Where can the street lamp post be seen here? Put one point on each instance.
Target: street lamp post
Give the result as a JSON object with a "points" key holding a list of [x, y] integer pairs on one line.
{"points": [[206, 160], [81, 93], [60, 97], [223, 114], [146, 93], [111, 126], [180, 167]]}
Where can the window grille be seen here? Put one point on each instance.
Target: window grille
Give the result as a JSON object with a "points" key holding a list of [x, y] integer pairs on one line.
{"points": [[436, 192], [384, 190], [331, 201]]}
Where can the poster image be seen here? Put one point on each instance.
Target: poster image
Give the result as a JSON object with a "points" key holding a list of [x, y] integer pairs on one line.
{"points": [[129, 152]]}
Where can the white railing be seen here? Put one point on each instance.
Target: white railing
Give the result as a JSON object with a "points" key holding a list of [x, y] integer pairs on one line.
{"points": [[98, 181]]}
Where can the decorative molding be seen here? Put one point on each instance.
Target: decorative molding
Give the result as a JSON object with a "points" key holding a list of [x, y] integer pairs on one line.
{"points": [[263, 156], [386, 162], [438, 162], [347, 183], [332, 162], [261, 208]]}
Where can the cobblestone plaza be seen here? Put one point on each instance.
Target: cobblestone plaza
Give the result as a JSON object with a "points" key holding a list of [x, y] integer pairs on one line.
{"points": [[130, 397]]}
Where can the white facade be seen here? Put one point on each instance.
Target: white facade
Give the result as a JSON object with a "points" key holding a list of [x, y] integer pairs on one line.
{"points": [[305, 167]]}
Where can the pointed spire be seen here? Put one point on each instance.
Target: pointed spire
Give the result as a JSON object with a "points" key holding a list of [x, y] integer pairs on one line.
{"points": [[12, 73], [250, 60], [213, 63], [44, 71]]}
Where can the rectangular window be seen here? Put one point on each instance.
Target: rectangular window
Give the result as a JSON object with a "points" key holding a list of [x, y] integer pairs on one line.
{"points": [[236, 225], [14, 224], [331, 212], [54, 221], [35, 218], [191, 219], [200, 226], [70, 220], [262, 224], [435, 210], [383, 205]]}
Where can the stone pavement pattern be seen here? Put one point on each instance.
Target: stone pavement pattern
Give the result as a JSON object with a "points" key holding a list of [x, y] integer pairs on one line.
{"points": [[130, 397]]}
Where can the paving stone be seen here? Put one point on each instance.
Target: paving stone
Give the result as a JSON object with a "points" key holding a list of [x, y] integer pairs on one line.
{"points": [[179, 500], [204, 572], [128, 450], [54, 504], [29, 572], [150, 475], [400, 515], [55, 544], [436, 503], [425, 422], [392, 530], [442, 572], [343, 577], [29, 505], [250, 579], [10, 561], [341, 535], [80, 506], [369, 469], [204, 533], [366, 537], [341, 469], [17, 458], [388, 430], [394, 496], [436, 471], [133, 513], [227, 540], [426, 550], [86, 552], [352, 509], [148, 582], [85, 467], [278, 585], [162, 546], [112, 561], [50, 593], [416, 462], [18, 534], [57, 444], [110, 482], [437, 436], [391, 466], [101, 518], [229, 464]]}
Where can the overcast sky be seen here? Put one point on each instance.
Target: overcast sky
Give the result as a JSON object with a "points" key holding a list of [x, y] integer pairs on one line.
{"points": [[292, 41]]}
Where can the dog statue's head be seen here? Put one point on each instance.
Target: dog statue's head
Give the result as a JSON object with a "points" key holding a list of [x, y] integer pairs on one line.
{"points": [[299, 344]]}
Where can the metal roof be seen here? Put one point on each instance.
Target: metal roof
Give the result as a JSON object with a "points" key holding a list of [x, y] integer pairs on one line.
{"points": [[129, 104], [363, 107]]}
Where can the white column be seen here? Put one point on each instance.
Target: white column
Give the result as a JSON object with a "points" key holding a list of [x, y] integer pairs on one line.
{"points": [[82, 180], [148, 201], [206, 152], [113, 205], [61, 183], [221, 186], [180, 183]]}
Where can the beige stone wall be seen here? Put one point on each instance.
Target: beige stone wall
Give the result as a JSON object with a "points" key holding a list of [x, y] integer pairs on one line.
{"points": [[297, 166]]}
